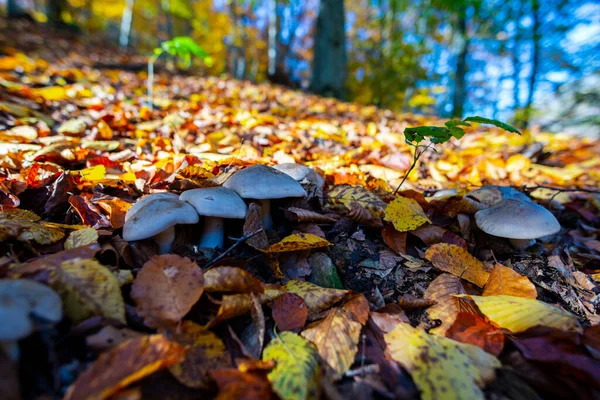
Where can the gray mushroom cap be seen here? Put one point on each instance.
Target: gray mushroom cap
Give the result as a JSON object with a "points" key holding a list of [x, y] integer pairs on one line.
{"points": [[156, 216], [216, 202], [20, 299], [516, 219], [296, 171], [149, 197], [262, 182]]}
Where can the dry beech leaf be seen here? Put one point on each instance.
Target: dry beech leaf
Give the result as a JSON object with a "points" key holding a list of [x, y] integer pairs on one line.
{"points": [[296, 375], [81, 237], [254, 223], [231, 279], [206, 351], [289, 312], [316, 298], [442, 291], [297, 242], [116, 209], [53, 261], [90, 214], [504, 280], [109, 336], [88, 288], [363, 216], [517, 314], [342, 196], [429, 234], [25, 226], [473, 329], [296, 214], [166, 288], [235, 384], [124, 364], [406, 214], [394, 239], [441, 368], [457, 261]]}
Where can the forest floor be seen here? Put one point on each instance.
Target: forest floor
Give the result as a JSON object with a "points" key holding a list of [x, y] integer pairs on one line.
{"points": [[356, 292]]}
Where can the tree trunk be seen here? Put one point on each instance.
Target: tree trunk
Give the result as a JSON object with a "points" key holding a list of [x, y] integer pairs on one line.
{"points": [[54, 10], [460, 90], [535, 60], [126, 20], [515, 56], [329, 63]]}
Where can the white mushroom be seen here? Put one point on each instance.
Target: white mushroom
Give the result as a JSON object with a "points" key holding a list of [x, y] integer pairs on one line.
{"points": [[296, 171], [519, 221], [215, 203], [157, 219], [264, 183], [149, 197]]}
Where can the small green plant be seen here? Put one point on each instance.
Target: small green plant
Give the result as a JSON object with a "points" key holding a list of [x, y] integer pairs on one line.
{"points": [[441, 134], [180, 47]]}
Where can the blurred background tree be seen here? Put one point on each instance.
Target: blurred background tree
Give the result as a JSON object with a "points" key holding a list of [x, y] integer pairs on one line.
{"points": [[531, 62]]}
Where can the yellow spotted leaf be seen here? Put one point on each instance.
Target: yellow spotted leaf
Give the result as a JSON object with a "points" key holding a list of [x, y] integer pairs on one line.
{"points": [[82, 237], [504, 280], [296, 375], [406, 214], [297, 242], [457, 261], [88, 289], [517, 314], [317, 298], [442, 368], [342, 196], [93, 174]]}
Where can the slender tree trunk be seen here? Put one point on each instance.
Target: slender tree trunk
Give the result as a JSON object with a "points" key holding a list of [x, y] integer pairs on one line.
{"points": [[515, 57], [460, 90], [329, 63], [126, 20], [535, 60], [273, 31]]}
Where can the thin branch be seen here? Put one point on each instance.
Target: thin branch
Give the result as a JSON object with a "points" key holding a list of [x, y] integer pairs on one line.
{"points": [[532, 188], [237, 241]]}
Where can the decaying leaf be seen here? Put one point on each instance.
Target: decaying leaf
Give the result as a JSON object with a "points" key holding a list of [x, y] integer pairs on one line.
{"points": [[394, 239], [289, 312], [296, 375], [406, 214], [342, 196], [81, 237], [473, 329], [166, 288], [124, 364], [447, 306], [25, 226], [457, 261], [235, 384], [297, 242], [505, 281], [231, 279], [316, 298]]}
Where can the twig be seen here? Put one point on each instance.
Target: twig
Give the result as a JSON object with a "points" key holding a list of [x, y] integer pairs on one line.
{"points": [[238, 241], [363, 370], [532, 188]]}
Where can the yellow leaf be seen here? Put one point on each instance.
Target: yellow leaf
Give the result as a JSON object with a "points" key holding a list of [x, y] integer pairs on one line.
{"points": [[442, 368], [88, 289], [342, 196], [124, 277], [317, 298], [93, 174], [52, 93], [457, 261], [406, 214], [336, 337], [504, 280], [104, 131], [518, 314], [82, 237], [296, 375], [297, 242]]}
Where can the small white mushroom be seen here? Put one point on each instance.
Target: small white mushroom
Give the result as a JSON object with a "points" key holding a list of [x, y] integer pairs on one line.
{"points": [[157, 219], [149, 197], [296, 171], [521, 222], [215, 203], [264, 183]]}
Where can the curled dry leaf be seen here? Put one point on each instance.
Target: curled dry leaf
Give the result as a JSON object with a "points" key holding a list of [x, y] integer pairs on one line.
{"points": [[457, 261], [206, 351], [253, 336], [296, 214], [297, 242], [116, 209], [441, 368], [316, 298], [289, 312], [25, 226], [231, 279], [235, 384], [254, 223], [406, 214], [447, 306], [504, 280], [166, 288], [53, 261], [394, 239], [88, 288], [363, 216], [342, 196], [517, 314], [90, 214], [473, 329], [124, 364], [296, 374], [81, 237]]}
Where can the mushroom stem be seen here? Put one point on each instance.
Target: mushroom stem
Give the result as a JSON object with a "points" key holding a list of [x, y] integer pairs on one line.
{"points": [[521, 244], [165, 240], [213, 233], [265, 206]]}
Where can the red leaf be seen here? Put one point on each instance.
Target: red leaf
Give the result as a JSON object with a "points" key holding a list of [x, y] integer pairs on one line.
{"points": [[289, 312], [89, 213], [473, 329]]}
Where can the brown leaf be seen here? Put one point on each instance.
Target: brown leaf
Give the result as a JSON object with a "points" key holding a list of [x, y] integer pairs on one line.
{"points": [[316, 298], [456, 260], [443, 290], [394, 239], [429, 234], [254, 335], [231, 279], [53, 261], [296, 214], [473, 329], [254, 222], [90, 214], [235, 384], [504, 280], [123, 365], [166, 288], [116, 209], [289, 312], [109, 336], [363, 216]]}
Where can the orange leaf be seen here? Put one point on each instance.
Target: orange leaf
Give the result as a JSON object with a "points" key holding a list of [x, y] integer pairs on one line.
{"points": [[504, 280], [234, 384], [473, 329], [289, 312], [231, 279], [123, 365], [394, 239], [456, 260], [116, 209], [297, 242]]}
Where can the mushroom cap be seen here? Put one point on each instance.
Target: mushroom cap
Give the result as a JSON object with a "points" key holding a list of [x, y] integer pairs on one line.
{"points": [[215, 202], [20, 299], [296, 171], [156, 216], [516, 219], [149, 197], [262, 182]]}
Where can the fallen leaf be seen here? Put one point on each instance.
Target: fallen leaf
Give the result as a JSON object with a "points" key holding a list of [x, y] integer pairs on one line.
{"points": [[473, 329], [231, 279], [342, 196], [316, 298], [109, 336], [124, 364], [296, 375], [297, 242], [442, 291], [394, 239], [235, 305], [116, 209], [289, 312], [406, 214], [90, 214], [166, 288], [457, 261], [235, 384], [254, 223], [504, 280], [81, 237]]}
